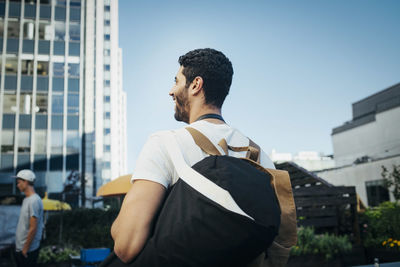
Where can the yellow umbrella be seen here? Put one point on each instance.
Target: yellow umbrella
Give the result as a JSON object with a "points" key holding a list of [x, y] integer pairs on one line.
{"points": [[117, 187], [52, 204]]}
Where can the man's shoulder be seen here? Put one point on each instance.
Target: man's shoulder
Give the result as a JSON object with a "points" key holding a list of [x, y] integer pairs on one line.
{"points": [[35, 199]]}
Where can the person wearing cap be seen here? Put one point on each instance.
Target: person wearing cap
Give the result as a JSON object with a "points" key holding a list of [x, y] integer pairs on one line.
{"points": [[30, 223]]}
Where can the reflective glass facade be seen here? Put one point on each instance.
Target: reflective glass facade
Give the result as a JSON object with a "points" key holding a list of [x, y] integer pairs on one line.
{"points": [[41, 92], [62, 107]]}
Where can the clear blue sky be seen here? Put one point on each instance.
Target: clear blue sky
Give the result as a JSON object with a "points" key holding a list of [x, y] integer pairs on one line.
{"points": [[299, 65]]}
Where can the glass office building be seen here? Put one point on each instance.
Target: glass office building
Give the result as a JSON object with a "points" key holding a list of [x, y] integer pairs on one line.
{"points": [[62, 106]]}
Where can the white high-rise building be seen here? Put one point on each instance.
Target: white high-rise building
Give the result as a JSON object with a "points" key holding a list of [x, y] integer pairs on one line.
{"points": [[62, 105]]}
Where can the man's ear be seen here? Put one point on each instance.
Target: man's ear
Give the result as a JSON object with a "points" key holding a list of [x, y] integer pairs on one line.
{"points": [[196, 86]]}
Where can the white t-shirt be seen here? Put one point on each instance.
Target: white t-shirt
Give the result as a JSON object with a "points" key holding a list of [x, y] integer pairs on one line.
{"points": [[155, 165]]}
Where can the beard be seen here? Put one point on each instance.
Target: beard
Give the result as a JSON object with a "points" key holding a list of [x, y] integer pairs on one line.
{"points": [[182, 106]]}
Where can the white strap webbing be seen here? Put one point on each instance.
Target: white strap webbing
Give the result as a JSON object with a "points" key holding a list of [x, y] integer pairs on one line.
{"points": [[198, 181]]}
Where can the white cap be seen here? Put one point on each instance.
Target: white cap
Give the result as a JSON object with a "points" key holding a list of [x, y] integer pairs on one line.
{"points": [[27, 175]]}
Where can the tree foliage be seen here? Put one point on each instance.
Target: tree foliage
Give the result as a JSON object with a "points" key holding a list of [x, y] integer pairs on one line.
{"points": [[391, 180]]}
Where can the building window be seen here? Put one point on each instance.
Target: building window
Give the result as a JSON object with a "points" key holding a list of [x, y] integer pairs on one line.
{"points": [[59, 31], [107, 52], [41, 103], [56, 163], [10, 104], [107, 165], [42, 83], [61, 2], [24, 141], [107, 37], [23, 161], [11, 65], [56, 142], [58, 69], [73, 70], [7, 145], [30, 9], [107, 8], [73, 103], [107, 83], [107, 22], [46, 30], [107, 99], [107, 67], [44, 47], [57, 104], [29, 30], [107, 148], [73, 85], [40, 141], [72, 122], [57, 122], [39, 163], [74, 48], [43, 68], [107, 115], [27, 67], [45, 9], [75, 3], [8, 121], [107, 131], [60, 13], [58, 84], [7, 164], [376, 192], [73, 142], [75, 13], [59, 48], [41, 121], [26, 83], [74, 32], [25, 121], [25, 103], [13, 29]]}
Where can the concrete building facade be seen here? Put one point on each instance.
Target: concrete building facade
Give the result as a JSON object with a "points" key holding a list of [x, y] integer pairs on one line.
{"points": [[366, 143]]}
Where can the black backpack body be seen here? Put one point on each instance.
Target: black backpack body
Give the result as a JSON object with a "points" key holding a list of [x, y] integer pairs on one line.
{"points": [[193, 230]]}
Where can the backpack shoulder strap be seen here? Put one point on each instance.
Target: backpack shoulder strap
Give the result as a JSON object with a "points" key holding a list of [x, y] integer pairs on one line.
{"points": [[253, 152], [203, 142], [196, 180]]}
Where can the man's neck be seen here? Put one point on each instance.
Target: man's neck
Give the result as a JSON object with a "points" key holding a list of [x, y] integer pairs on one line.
{"points": [[205, 110], [29, 191]]}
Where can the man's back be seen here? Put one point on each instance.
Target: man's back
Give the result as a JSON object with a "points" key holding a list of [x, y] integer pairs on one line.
{"points": [[32, 206], [154, 155]]}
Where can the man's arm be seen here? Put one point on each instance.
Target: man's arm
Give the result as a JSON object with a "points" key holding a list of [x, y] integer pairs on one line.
{"points": [[31, 235], [131, 228]]}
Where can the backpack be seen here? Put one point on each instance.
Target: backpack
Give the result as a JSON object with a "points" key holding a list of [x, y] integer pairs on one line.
{"points": [[222, 211]]}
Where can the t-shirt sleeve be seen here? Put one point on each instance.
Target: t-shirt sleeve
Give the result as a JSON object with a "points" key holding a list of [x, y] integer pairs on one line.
{"points": [[153, 163], [34, 209]]}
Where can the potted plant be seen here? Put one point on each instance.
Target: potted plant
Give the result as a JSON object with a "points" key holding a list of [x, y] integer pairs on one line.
{"points": [[50, 256], [318, 250], [381, 232]]}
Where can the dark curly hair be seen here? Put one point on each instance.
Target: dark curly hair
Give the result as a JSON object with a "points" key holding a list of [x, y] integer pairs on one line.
{"points": [[215, 69]]}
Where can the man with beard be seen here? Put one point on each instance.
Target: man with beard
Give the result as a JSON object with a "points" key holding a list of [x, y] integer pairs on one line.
{"points": [[201, 85]]}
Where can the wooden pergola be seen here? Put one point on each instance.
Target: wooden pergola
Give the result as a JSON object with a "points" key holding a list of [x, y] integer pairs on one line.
{"points": [[319, 204]]}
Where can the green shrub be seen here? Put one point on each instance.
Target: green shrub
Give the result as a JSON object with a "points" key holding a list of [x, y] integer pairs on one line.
{"points": [[380, 223], [326, 244], [83, 228], [54, 254]]}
